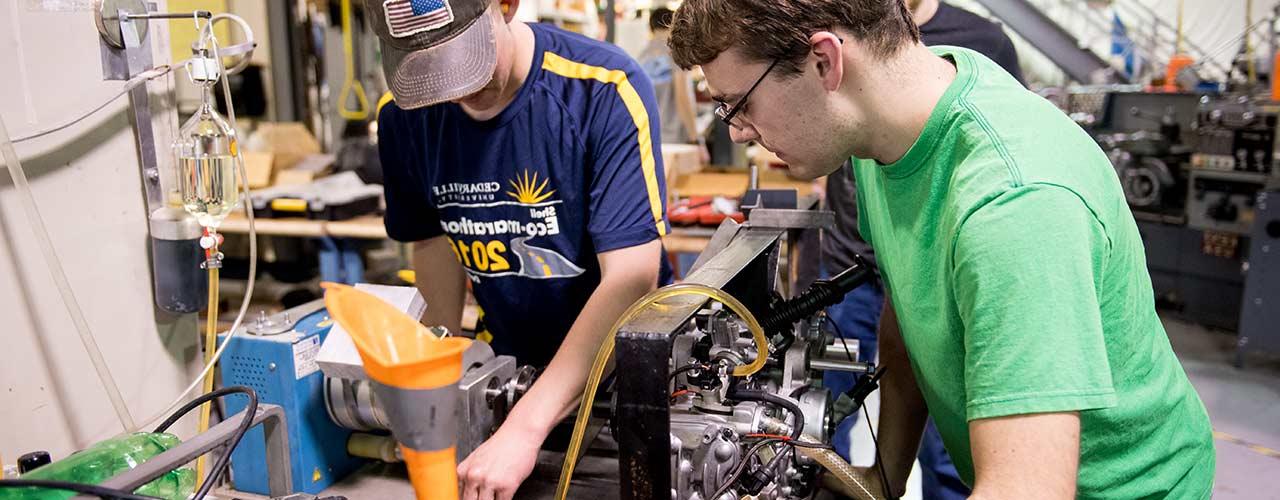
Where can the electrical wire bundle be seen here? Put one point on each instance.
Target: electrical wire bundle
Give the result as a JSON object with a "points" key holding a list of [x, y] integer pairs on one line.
{"points": [[762, 475]]}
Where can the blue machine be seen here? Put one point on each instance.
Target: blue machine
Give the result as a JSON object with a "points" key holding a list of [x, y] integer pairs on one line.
{"points": [[277, 358]]}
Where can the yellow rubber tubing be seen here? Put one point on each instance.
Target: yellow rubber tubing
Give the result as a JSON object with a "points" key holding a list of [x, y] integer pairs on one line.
{"points": [[606, 352], [210, 343]]}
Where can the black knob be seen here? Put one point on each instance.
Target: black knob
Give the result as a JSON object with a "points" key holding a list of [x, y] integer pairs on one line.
{"points": [[33, 461], [1224, 211]]}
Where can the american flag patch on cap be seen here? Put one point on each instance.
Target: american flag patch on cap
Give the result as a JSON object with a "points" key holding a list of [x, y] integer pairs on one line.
{"points": [[410, 17]]}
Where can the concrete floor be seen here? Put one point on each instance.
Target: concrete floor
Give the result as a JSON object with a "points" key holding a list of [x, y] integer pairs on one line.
{"points": [[1244, 406]]}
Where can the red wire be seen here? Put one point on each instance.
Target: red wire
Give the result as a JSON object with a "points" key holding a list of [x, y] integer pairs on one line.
{"points": [[770, 436], [679, 393]]}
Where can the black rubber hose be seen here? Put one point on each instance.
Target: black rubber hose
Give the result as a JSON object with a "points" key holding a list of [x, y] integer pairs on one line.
{"points": [[88, 489], [765, 397], [686, 368], [220, 466], [820, 295]]}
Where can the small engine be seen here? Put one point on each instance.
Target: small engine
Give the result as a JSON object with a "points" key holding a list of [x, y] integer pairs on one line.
{"points": [[711, 426], [696, 414], [717, 420]]}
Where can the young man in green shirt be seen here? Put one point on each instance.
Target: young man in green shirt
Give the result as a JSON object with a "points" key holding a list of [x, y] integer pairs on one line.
{"points": [[1019, 309]]}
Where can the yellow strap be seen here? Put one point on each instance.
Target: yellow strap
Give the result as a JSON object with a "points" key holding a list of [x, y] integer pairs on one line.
{"points": [[408, 276], [384, 100], [635, 106], [351, 84]]}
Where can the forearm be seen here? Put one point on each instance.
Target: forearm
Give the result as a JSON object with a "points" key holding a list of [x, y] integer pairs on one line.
{"points": [[902, 408], [555, 393], [441, 281]]}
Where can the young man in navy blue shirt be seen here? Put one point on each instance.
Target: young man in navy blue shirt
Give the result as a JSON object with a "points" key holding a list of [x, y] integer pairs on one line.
{"points": [[526, 160]]}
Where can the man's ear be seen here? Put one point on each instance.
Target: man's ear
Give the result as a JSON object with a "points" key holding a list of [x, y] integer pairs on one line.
{"points": [[508, 9], [828, 52]]}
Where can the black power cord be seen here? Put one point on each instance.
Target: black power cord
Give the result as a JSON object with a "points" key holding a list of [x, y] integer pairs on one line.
{"points": [[219, 466], [859, 393], [686, 368], [88, 489], [884, 477]]}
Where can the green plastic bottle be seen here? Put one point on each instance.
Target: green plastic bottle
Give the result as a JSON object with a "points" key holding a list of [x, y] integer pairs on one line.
{"points": [[105, 460]]}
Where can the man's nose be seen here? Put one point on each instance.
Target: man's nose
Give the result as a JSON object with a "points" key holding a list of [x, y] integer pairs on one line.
{"points": [[744, 134]]}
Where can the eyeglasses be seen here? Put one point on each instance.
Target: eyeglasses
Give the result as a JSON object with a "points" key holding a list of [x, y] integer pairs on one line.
{"points": [[726, 113]]}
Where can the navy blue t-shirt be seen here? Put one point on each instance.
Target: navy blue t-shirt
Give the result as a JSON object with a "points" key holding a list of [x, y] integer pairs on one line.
{"points": [[572, 167]]}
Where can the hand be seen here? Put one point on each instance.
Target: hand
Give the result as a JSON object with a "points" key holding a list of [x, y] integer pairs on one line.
{"points": [[495, 469]]}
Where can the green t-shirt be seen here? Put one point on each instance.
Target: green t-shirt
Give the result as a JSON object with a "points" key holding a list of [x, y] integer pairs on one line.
{"points": [[1021, 286]]}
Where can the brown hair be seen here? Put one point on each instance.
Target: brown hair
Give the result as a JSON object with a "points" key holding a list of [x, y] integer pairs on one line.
{"points": [[765, 30]]}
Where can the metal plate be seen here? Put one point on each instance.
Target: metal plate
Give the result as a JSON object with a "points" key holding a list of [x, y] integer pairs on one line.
{"points": [[719, 240], [106, 14], [792, 219]]}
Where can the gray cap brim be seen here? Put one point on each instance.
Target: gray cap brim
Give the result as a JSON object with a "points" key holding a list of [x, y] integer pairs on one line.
{"points": [[451, 70]]}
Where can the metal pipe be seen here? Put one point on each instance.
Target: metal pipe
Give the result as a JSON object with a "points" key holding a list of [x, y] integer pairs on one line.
{"points": [[375, 447], [841, 351], [270, 417], [841, 366], [126, 17]]}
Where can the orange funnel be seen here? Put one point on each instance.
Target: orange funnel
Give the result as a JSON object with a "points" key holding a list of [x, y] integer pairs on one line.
{"points": [[415, 376]]}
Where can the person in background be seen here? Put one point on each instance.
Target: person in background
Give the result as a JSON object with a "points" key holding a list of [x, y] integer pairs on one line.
{"points": [[858, 316], [672, 85]]}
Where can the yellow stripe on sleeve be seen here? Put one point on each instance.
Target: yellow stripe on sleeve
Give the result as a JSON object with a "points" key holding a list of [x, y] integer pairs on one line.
{"points": [[635, 106], [382, 101]]}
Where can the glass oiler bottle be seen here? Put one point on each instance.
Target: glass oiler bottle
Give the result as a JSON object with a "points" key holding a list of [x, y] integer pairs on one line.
{"points": [[207, 162]]}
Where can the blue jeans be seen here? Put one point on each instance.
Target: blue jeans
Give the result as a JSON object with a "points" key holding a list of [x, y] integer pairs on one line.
{"points": [[857, 317], [938, 477]]}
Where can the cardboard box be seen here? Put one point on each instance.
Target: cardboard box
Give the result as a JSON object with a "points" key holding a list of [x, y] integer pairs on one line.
{"points": [[678, 161], [734, 183], [338, 356], [259, 168], [306, 171], [290, 143]]}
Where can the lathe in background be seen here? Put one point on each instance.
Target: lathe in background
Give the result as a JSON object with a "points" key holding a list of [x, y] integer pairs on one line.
{"points": [[1193, 168], [1260, 313]]}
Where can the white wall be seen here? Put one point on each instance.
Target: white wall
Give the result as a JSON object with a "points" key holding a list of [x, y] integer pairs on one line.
{"points": [[254, 12], [1210, 24], [86, 181], [1215, 23]]}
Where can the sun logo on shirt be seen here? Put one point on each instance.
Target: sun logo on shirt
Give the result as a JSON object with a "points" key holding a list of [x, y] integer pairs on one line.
{"points": [[527, 189]]}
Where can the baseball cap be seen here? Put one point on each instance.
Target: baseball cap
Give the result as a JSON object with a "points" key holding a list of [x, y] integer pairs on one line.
{"points": [[434, 50]]}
